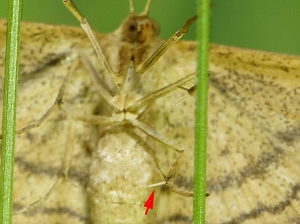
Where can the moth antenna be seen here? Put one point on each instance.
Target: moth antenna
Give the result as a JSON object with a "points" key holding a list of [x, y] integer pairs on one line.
{"points": [[146, 10], [131, 6]]}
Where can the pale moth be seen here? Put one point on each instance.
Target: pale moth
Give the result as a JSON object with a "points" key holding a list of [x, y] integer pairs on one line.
{"points": [[253, 172]]}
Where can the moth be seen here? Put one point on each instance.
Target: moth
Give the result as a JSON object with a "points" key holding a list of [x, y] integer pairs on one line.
{"points": [[134, 135], [253, 170]]}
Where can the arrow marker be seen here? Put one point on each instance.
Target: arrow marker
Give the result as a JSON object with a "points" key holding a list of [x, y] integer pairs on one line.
{"points": [[149, 203]]}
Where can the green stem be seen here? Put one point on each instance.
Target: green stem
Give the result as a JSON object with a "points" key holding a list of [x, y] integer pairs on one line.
{"points": [[9, 109], [201, 112]]}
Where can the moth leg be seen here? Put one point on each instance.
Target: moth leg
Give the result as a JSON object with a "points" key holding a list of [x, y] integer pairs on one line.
{"points": [[104, 120], [87, 28], [96, 79], [57, 104], [62, 176], [160, 93], [139, 103], [165, 46], [39, 201], [190, 92], [91, 119], [170, 179], [154, 134], [65, 165], [149, 98]]}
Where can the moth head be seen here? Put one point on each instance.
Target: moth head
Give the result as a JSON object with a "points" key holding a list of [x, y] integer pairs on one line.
{"points": [[139, 29]]}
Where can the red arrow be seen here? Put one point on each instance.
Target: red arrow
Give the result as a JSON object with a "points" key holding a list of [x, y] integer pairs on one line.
{"points": [[149, 203]]}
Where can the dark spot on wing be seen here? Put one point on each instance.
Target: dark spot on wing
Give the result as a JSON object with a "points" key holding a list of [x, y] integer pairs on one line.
{"points": [[224, 152], [289, 136]]}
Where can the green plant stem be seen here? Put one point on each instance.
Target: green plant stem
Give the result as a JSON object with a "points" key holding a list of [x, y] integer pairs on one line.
{"points": [[201, 112], [9, 109]]}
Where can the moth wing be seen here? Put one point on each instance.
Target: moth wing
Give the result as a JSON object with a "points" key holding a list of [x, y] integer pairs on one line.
{"points": [[45, 61], [253, 160]]}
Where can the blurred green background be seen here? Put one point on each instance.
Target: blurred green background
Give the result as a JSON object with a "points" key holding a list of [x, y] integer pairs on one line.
{"points": [[270, 25]]}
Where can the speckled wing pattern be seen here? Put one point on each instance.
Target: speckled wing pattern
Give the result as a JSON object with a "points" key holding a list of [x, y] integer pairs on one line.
{"points": [[45, 61], [42, 151], [252, 159]]}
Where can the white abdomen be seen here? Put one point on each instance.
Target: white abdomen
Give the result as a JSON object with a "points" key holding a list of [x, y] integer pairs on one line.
{"points": [[121, 169]]}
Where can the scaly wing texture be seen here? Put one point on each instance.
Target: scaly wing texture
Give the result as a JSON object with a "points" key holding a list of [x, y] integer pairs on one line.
{"points": [[45, 62], [253, 158], [253, 170]]}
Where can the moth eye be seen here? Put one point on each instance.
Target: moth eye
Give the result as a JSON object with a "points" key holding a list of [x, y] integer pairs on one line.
{"points": [[132, 28], [130, 31]]}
